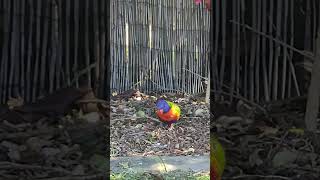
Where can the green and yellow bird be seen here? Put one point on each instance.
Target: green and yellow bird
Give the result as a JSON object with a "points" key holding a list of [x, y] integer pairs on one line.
{"points": [[217, 159]]}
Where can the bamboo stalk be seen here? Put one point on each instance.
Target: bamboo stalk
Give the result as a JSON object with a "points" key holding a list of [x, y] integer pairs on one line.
{"points": [[307, 31], [87, 41], [246, 58], [285, 52], [5, 49], [37, 52], [271, 47], [54, 44], [277, 52], [22, 48], [67, 59], [223, 32], [76, 31], [30, 37], [252, 53], [108, 50], [59, 68], [44, 47], [258, 55], [96, 45], [314, 23], [233, 52], [264, 52], [238, 56], [103, 48], [17, 65], [13, 54]]}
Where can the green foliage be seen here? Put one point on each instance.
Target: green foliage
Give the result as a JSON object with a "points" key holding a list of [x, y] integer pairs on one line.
{"points": [[178, 174]]}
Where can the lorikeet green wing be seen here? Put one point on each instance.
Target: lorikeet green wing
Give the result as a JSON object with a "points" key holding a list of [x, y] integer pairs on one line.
{"points": [[217, 159]]}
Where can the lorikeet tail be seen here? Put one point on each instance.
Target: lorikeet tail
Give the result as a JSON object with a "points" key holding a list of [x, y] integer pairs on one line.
{"points": [[217, 159]]}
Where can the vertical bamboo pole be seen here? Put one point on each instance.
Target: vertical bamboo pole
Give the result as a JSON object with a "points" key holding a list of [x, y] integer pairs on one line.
{"points": [[22, 48], [253, 51], [258, 59], [30, 50], [37, 52], [60, 49], [233, 53], [13, 47], [103, 12], [264, 52], [271, 47], [223, 32], [67, 59], [96, 45], [87, 41], [285, 52], [44, 46], [76, 32], [277, 52], [54, 44]]}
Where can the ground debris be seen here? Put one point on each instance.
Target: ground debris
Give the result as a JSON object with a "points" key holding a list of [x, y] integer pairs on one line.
{"points": [[271, 146], [52, 138], [134, 132]]}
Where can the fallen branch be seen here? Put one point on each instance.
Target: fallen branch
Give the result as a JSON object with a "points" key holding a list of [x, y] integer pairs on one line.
{"points": [[259, 176], [87, 177], [11, 165]]}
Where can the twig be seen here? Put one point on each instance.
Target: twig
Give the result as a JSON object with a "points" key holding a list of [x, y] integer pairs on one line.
{"points": [[28, 134], [258, 176], [245, 100], [11, 165], [87, 177], [276, 40], [153, 119], [205, 78]]}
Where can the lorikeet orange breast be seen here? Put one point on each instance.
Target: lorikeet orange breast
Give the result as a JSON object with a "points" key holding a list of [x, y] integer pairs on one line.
{"points": [[217, 159], [168, 112]]}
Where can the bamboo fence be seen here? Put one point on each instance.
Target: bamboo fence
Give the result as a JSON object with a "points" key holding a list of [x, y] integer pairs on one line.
{"points": [[50, 44], [159, 45], [262, 49]]}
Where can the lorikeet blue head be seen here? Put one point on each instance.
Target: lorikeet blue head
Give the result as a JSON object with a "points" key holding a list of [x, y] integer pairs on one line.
{"points": [[162, 105]]}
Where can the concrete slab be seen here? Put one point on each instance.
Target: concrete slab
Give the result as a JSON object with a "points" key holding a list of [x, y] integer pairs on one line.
{"points": [[160, 163]]}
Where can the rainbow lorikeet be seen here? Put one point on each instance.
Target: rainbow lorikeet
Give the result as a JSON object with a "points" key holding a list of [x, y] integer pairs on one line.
{"points": [[168, 112], [217, 159]]}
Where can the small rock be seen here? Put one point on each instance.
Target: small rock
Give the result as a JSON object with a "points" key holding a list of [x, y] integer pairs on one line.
{"points": [[140, 114], [9, 145], [92, 117], [138, 98], [199, 112], [47, 152], [283, 158], [14, 155], [138, 126], [177, 146], [78, 170], [35, 143]]}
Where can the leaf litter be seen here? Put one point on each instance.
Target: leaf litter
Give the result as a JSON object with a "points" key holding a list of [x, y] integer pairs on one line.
{"points": [[271, 145], [56, 136], [135, 130]]}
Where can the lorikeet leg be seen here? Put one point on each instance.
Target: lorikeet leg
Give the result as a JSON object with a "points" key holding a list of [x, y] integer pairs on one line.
{"points": [[164, 124], [170, 126]]}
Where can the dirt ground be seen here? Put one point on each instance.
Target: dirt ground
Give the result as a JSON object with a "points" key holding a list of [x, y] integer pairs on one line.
{"points": [[134, 131]]}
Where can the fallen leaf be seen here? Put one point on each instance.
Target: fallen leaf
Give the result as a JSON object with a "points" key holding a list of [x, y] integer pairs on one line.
{"points": [[284, 158], [140, 114]]}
